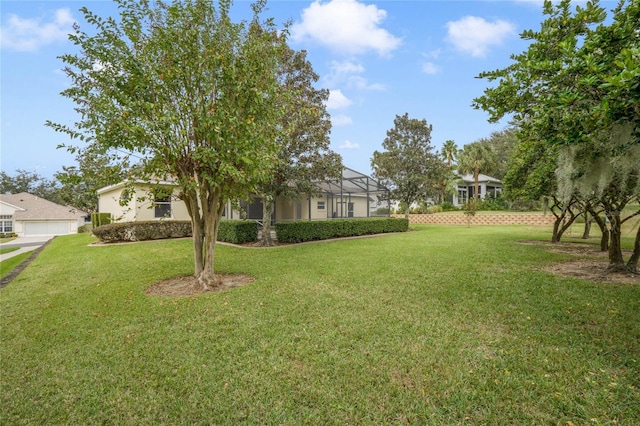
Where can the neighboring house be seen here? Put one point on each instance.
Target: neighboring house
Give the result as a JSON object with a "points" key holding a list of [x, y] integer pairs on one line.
{"points": [[30, 216], [465, 186], [357, 195], [487, 186]]}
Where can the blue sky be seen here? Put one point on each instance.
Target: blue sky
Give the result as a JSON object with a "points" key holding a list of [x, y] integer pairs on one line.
{"points": [[379, 59]]}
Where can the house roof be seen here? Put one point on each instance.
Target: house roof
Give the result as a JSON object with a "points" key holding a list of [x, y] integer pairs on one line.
{"points": [[31, 207], [468, 178]]}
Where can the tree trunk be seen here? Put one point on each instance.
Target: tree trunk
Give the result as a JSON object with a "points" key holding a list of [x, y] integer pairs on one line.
{"points": [[616, 261], [197, 228], [604, 230], [587, 226], [212, 207], [268, 202], [632, 264]]}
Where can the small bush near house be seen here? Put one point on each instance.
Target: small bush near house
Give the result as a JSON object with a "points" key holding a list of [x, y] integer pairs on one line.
{"points": [[298, 232], [85, 228], [238, 231], [492, 203], [231, 231], [8, 235], [448, 207], [141, 231], [434, 209]]}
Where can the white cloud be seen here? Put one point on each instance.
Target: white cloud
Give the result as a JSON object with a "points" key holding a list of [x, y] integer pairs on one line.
{"points": [[337, 100], [474, 35], [347, 144], [348, 73], [341, 120], [430, 68], [346, 26], [28, 35]]}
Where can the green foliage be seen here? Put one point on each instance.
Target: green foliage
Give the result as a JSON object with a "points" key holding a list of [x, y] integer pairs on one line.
{"points": [[492, 203], [85, 228], [192, 93], [408, 166], [448, 207], [302, 231], [476, 158], [238, 231], [100, 219], [32, 183], [96, 169], [142, 231], [434, 209], [231, 231]]}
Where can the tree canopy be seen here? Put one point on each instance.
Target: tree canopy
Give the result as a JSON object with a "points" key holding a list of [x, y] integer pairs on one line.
{"points": [[190, 92], [409, 166], [576, 88], [304, 156]]}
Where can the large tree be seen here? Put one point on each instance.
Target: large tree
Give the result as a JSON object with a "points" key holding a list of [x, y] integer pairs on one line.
{"points": [[304, 157], [408, 166], [576, 85], [191, 92]]}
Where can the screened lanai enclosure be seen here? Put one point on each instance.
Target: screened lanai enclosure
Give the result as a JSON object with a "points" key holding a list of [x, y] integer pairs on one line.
{"points": [[355, 196]]}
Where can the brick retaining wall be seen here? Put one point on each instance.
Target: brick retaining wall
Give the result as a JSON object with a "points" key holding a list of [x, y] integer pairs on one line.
{"points": [[533, 219]]}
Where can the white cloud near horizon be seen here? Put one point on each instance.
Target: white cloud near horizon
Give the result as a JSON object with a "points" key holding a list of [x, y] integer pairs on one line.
{"points": [[341, 120], [346, 26], [347, 144], [30, 34], [337, 100], [475, 35]]}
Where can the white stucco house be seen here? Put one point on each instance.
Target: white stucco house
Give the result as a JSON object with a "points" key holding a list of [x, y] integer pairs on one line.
{"points": [[465, 187], [30, 216], [357, 195]]}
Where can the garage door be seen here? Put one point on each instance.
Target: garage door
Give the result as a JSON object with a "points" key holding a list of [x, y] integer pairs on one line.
{"points": [[32, 229]]}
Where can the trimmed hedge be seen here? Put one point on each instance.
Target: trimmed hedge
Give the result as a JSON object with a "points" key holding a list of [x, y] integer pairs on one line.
{"points": [[238, 231], [232, 231], [298, 232], [141, 231], [99, 219]]}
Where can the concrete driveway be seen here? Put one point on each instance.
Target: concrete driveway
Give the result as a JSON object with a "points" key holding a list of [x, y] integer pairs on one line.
{"points": [[24, 244]]}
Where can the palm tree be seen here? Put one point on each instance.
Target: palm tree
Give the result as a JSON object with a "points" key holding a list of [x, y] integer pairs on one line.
{"points": [[449, 152], [474, 158]]}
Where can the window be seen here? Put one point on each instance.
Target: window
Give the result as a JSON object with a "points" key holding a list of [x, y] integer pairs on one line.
{"points": [[6, 223], [320, 205], [162, 205]]}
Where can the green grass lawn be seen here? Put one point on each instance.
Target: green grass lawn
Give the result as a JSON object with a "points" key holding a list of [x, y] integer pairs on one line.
{"points": [[9, 264], [4, 250], [440, 325]]}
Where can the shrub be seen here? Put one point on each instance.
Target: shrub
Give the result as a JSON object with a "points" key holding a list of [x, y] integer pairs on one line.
{"points": [[8, 235], [99, 219], [448, 206], [297, 232], [232, 231], [141, 231], [85, 228], [492, 203], [238, 231], [435, 209]]}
